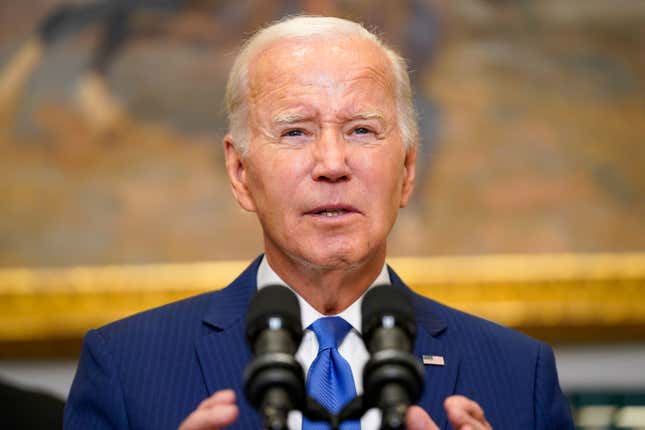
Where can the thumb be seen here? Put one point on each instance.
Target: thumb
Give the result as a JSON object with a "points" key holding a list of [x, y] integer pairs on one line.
{"points": [[418, 419]]}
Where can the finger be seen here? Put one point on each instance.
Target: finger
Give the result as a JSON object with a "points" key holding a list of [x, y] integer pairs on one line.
{"points": [[472, 424], [418, 419], [464, 413], [467, 422], [462, 403], [211, 418], [219, 397]]}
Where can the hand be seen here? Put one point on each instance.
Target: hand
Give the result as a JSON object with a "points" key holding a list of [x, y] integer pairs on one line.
{"points": [[463, 414], [217, 411], [418, 419]]}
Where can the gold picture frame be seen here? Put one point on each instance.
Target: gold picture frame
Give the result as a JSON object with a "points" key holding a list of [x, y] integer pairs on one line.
{"points": [[561, 298]]}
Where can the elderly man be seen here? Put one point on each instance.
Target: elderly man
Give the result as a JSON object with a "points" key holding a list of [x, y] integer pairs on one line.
{"points": [[322, 146]]}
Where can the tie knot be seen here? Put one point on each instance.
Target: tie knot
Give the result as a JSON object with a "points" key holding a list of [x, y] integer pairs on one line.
{"points": [[330, 331]]}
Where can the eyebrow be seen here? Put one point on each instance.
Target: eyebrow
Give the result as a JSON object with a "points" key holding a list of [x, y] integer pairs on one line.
{"points": [[289, 118], [366, 115], [292, 117]]}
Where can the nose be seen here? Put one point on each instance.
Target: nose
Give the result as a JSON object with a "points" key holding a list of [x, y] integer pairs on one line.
{"points": [[330, 157]]}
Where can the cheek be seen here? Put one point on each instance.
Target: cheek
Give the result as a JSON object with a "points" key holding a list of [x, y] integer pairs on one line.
{"points": [[382, 170], [277, 178], [387, 191]]}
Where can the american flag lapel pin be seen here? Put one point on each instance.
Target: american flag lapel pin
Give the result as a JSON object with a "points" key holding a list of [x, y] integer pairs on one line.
{"points": [[434, 360]]}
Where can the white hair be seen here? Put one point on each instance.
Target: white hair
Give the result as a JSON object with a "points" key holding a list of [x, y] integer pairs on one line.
{"points": [[306, 27]]}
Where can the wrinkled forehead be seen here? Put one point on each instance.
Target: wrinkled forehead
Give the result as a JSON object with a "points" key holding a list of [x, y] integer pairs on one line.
{"points": [[316, 60]]}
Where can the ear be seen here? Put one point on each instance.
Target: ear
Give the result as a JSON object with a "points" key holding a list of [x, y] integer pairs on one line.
{"points": [[409, 171], [237, 174]]}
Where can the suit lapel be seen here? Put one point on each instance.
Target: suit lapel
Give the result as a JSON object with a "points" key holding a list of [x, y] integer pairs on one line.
{"points": [[224, 328], [432, 339], [223, 351]]}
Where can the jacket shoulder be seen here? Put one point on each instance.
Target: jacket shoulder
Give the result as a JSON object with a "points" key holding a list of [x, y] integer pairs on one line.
{"points": [[477, 332], [186, 316], [180, 316]]}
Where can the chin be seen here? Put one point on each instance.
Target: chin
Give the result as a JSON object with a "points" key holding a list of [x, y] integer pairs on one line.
{"points": [[336, 258]]}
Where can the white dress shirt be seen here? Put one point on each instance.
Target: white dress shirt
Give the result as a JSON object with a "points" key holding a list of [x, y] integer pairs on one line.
{"points": [[351, 348]]}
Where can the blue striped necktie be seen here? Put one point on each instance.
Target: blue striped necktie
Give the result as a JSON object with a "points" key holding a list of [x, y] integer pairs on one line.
{"points": [[330, 378]]}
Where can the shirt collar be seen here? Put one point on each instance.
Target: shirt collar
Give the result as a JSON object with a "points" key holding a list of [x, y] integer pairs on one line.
{"points": [[267, 276]]}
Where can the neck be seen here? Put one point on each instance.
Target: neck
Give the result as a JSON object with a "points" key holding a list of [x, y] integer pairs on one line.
{"points": [[329, 289]]}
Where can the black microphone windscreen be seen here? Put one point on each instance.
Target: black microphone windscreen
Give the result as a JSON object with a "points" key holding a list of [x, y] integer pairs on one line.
{"points": [[387, 300], [273, 301]]}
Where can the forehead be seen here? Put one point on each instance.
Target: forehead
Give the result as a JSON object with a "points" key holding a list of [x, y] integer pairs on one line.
{"points": [[316, 63]]}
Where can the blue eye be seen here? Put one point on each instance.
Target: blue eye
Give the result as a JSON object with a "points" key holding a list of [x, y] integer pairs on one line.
{"points": [[294, 133], [362, 130]]}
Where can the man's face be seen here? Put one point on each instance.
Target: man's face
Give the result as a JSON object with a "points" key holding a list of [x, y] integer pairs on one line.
{"points": [[326, 170]]}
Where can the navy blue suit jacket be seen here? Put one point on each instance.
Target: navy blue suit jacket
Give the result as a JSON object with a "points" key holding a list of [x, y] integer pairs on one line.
{"points": [[151, 370]]}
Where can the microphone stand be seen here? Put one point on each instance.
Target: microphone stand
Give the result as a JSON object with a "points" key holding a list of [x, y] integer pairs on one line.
{"points": [[353, 410]]}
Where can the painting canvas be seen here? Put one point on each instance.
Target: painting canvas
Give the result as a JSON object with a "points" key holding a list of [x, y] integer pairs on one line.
{"points": [[531, 114]]}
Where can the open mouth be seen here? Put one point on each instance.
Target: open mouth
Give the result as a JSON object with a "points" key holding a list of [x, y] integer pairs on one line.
{"points": [[332, 211]]}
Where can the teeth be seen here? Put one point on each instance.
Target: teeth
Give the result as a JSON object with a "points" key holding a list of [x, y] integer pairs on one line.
{"points": [[332, 213]]}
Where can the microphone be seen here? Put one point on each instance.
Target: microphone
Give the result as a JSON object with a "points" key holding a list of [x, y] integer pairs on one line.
{"points": [[393, 377], [274, 382]]}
